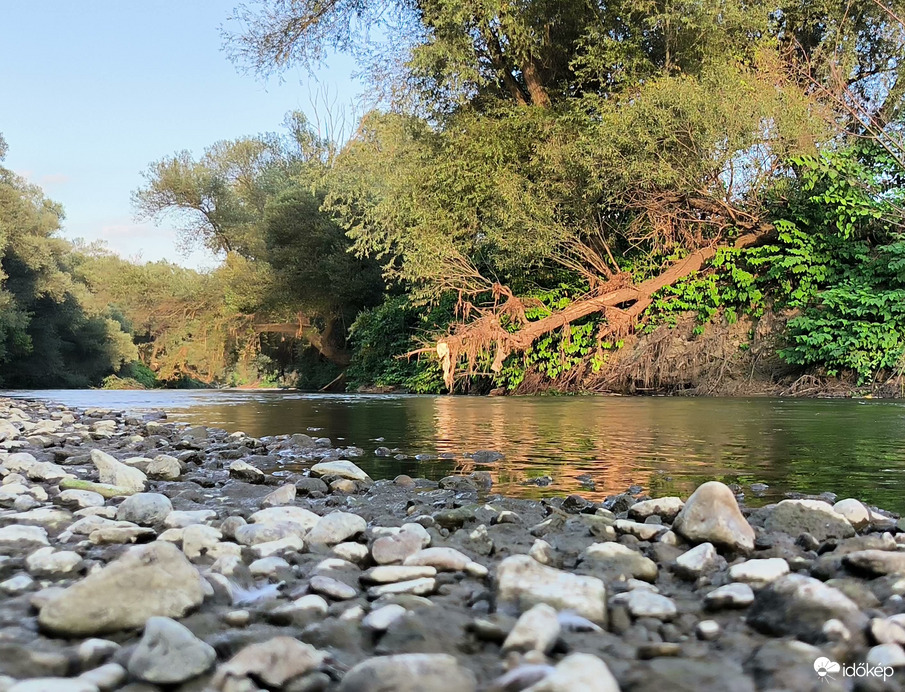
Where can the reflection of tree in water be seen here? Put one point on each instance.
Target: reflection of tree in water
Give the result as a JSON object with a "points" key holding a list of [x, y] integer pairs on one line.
{"points": [[668, 446]]}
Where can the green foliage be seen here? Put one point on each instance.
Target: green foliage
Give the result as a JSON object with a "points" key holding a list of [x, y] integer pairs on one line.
{"points": [[140, 373], [381, 337], [838, 258]]}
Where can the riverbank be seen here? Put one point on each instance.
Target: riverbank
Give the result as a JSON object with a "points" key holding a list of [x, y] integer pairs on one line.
{"points": [[141, 554]]}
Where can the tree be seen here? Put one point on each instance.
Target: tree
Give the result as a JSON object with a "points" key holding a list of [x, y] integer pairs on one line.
{"points": [[287, 269]]}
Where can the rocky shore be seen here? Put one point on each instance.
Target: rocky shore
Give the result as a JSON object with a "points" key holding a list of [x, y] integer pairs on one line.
{"points": [[139, 554]]}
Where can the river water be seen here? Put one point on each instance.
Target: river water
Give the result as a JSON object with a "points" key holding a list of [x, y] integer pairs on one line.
{"points": [[667, 445]]}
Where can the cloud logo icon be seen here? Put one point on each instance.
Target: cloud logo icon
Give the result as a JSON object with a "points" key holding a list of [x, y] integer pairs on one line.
{"points": [[824, 666]]}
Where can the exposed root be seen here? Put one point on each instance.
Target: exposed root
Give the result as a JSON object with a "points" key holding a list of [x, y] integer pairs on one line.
{"points": [[503, 329]]}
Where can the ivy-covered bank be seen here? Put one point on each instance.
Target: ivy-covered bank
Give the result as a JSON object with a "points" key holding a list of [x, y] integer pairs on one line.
{"points": [[830, 279]]}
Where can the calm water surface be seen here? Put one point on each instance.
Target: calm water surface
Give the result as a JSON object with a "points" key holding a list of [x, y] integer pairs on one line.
{"points": [[667, 445]]}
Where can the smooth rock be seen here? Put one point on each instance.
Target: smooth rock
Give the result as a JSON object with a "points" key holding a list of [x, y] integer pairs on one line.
{"points": [[164, 467], [886, 656], [409, 673], [759, 572], [396, 548], [380, 620], [876, 563], [336, 527], [286, 515], [114, 472], [712, 515], [797, 605], [417, 587], [443, 559], [578, 672], [642, 603], [522, 582], [387, 574], [284, 495], [702, 559], [615, 558], [155, 579], [333, 588], [273, 663], [815, 517], [666, 507], [730, 596], [46, 562], [17, 535], [243, 471], [169, 653], [857, 514], [53, 685], [342, 468], [536, 630]]}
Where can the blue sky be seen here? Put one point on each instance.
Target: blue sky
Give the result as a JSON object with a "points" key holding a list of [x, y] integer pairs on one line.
{"points": [[91, 92]]}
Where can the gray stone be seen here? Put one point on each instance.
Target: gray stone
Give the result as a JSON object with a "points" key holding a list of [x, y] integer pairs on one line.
{"points": [[380, 620], [155, 579], [857, 514], [284, 495], [876, 563], [336, 527], [759, 572], [113, 472], [817, 518], [578, 672], [712, 515], [164, 467], [665, 507], [409, 673], [19, 536], [342, 468], [144, 509], [615, 559], [522, 582], [53, 685], [886, 656], [169, 653], [273, 663], [642, 603], [536, 630], [80, 499], [396, 548], [796, 605], [44, 562], [700, 560], [730, 596], [243, 471]]}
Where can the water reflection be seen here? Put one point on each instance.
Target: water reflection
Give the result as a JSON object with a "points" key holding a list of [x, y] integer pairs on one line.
{"points": [[667, 445]]}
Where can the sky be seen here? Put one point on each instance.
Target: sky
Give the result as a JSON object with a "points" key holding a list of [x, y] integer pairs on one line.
{"points": [[91, 92]]}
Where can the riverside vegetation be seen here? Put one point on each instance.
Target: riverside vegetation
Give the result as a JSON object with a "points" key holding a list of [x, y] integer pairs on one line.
{"points": [[140, 554], [630, 197]]}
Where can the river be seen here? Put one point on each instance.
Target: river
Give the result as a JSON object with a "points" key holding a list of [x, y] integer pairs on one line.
{"points": [[667, 445]]}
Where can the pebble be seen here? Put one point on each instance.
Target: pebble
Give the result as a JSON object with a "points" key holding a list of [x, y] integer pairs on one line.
{"points": [[730, 596], [379, 620], [759, 572], [536, 630]]}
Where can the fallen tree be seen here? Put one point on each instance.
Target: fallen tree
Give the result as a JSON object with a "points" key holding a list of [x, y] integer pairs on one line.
{"points": [[619, 300]]}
